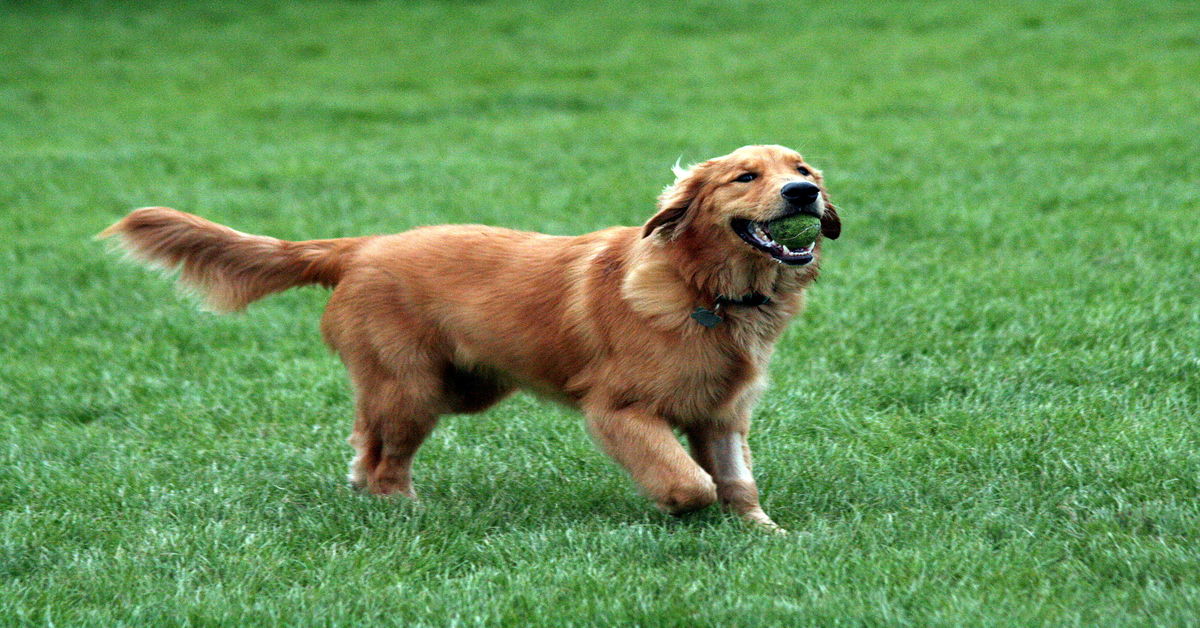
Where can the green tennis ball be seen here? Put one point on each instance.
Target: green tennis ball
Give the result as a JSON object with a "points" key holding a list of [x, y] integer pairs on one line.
{"points": [[795, 232]]}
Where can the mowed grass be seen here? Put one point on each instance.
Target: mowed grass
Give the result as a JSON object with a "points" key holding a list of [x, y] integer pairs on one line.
{"points": [[987, 416]]}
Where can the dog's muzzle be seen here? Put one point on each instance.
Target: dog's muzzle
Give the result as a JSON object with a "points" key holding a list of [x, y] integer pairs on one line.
{"points": [[802, 195]]}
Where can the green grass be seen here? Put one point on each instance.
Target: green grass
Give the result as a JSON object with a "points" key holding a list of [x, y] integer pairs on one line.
{"points": [[988, 415]]}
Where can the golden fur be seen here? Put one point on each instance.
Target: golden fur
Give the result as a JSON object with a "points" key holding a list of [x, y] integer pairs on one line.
{"points": [[452, 318]]}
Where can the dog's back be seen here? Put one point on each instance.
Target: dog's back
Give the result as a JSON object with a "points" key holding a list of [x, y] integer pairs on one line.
{"points": [[481, 298]]}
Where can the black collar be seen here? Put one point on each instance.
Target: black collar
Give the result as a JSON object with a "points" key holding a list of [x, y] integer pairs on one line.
{"points": [[712, 318], [754, 299]]}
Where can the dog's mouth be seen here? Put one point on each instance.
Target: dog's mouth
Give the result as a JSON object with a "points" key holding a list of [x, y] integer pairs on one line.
{"points": [[758, 235]]}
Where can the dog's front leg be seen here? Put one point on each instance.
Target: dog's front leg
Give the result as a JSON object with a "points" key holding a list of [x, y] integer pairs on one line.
{"points": [[723, 452], [646, 446]]}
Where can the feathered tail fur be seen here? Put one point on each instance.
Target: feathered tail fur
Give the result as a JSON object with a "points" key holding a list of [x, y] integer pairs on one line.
{"points": [[229, 268]]}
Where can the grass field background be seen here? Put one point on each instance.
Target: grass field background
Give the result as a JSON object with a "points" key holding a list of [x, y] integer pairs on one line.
{"points": [[987, 416]]}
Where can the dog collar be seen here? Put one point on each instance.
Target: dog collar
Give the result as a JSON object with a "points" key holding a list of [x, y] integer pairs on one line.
{"points": [[754, 299], [712, 317]]}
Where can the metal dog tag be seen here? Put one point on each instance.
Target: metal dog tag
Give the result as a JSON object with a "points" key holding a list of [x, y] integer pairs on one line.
{"points": [[706, 317]]}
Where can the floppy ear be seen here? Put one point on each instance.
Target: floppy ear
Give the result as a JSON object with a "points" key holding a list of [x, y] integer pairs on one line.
{"points": [[675, 202], [831, 224]]}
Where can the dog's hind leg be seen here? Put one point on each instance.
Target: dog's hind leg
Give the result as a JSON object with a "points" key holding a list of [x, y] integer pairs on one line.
{"points": [[394, 416]]}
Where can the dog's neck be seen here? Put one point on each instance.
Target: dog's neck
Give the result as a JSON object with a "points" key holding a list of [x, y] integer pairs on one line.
{"points": [[667, 279]]}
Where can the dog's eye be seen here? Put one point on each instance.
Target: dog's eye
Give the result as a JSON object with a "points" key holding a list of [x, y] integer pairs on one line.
{"points": [[746, 178], [804, 171]]}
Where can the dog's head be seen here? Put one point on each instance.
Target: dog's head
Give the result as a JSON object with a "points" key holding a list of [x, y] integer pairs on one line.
{"points": [[734, 198]]}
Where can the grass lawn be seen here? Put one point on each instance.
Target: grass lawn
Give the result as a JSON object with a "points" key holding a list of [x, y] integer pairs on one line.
{"points": [[988, 415]]}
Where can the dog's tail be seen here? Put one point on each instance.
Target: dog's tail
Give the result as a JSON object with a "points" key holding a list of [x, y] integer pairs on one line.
{"points": [[230, 269]]}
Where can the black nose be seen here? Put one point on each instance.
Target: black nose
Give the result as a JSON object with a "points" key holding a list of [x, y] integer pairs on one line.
{"points": [[800, 192]]}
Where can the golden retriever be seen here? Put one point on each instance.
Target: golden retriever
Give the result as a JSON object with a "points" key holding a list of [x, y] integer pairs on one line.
{"points": [[646, 330]]}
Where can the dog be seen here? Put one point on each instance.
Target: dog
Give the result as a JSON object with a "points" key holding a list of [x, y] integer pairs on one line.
{"points": [[647, 330]]}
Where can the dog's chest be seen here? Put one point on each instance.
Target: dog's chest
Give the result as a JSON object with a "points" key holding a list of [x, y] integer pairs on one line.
{"points": [[709, 380]]}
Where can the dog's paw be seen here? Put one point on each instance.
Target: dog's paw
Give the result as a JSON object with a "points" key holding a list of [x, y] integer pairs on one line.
{"points": [[761, 521]]}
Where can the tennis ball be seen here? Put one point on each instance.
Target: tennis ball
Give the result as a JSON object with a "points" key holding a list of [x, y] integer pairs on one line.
{"points": [[795, 232]]}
